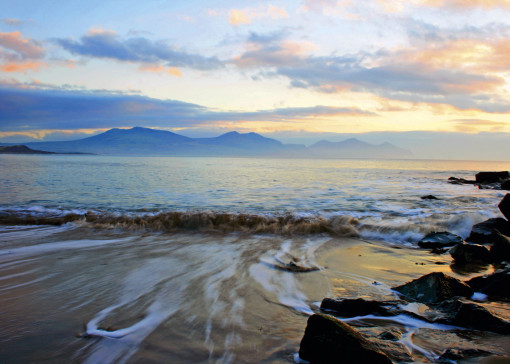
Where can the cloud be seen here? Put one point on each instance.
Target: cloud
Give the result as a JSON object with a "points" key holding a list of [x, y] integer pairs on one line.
{"points": [[237, 17], [11, 21], [460, 72], [21, 67], [173, 71], [107, 44], [475, 125], [19, 54], [20, 47], [245, 16], [396, 6], [29, 107]]}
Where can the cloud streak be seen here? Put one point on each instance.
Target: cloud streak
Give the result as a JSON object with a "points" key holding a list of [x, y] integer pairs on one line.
{"points": [[33, 108], [108, 45]]}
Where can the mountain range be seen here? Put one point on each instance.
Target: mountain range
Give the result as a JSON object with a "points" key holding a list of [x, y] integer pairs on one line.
{"points": [[145, 141]]}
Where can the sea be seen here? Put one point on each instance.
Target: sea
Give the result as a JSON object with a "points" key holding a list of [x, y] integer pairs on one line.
{"points": [[108, 259]]}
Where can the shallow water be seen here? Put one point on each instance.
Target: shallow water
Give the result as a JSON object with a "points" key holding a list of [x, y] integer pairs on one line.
{"points": [[185, 297]]}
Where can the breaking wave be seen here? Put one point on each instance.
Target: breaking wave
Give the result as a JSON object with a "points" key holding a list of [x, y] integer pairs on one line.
{"points": [[176, 221]]}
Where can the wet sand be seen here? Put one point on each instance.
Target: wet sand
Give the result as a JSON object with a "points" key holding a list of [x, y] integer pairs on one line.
{"points": [[194, 297]]}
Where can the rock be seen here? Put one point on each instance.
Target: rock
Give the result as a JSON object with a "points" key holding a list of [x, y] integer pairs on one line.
{"points": [[504, 207], [429, 197], [434, 287], [439, 240], [453, 354], [391, 335], [496, 285], [470, 253], [295, 268], [506, 185], [482, 233], [329, 340], [355, 307], [500, 249], [474, 316], [491, 177], [460, 181]]}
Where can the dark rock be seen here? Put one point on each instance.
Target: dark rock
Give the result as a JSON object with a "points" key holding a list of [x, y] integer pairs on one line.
{"points": [[470, 253], [391, 335], [474, 316], [504, 207], [453, 354], [439, 240], [429, 197], [329, 340], [482, 233], [506, 185], [434, 287], [355, 307], [496, 285], [500, 249], [460, 181], [491, 177]]}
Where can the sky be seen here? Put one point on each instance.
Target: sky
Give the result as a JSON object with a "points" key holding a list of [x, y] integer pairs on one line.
{"points": [[296, 70]]}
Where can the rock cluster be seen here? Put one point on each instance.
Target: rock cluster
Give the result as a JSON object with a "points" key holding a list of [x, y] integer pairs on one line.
{"points": [[450, 301], [486, 180]]}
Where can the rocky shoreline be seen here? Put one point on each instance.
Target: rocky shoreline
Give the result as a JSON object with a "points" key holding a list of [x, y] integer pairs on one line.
{"points": [[460, 321]]}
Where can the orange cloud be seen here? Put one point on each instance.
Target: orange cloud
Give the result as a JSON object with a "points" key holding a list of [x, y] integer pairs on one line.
{"points": [[21, 67], [237, 17], [245, 16], [24, 48], [172, 71]]}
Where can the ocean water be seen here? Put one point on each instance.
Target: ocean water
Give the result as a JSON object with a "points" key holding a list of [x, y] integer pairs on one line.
{"points": [[158, 259]]}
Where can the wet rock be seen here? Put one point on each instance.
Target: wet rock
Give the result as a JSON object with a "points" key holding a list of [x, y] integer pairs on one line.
{"points": [[475, 316], [434, 287], [496, 285], [439, 240], [506, 185], [491, 177], [460, 181], [500, 249], [470, 253], [482, 233], [396, 351], [504, 207], [355, 307], [329, 340], [453, 354], [391, 335], [295, 268], [429, 197]]}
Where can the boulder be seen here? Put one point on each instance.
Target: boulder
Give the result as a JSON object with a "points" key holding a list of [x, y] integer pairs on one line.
{"points": [[434, 288], [329, 340], [453, 355], [506, 185], [474, 316], [500, 250], [355, 307], [504, 207], [491, 177], [439, 240], [470, 253], [496, 285], [429, 197], [482, 233]]}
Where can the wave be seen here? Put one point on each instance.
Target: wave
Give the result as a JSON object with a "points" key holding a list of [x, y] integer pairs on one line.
{"points": [[399, 230], [177, 221]]}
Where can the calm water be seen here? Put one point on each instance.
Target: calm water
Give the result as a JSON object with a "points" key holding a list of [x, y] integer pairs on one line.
{"points": [[173, 259]]}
